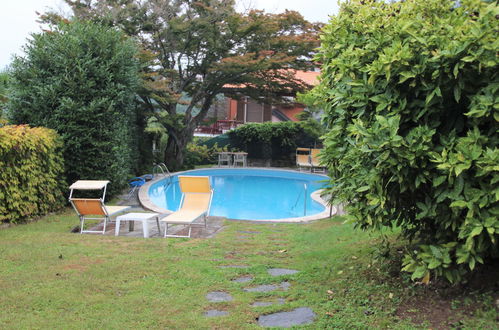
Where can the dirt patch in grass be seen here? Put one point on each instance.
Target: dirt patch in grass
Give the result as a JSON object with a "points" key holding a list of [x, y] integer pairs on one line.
{"points": [[442, 306]]}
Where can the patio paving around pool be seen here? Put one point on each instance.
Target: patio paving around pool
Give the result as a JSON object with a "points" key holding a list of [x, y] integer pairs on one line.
{"points": [[213, 224]]}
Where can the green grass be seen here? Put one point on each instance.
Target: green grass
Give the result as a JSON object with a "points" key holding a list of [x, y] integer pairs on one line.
{"points": [[50, 278]]}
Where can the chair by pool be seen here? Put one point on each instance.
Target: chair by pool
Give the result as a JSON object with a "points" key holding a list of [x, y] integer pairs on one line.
{"points": [[87, 207], [303, 158], [224, 158], [315, 161], [240, 158], [195, 203]]}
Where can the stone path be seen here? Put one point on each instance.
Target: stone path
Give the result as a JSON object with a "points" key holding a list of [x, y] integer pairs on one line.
{"points": [[285, 318], [298, 316]]}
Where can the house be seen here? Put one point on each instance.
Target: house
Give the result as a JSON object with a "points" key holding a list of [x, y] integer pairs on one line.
{"points": [[228, 112], [247, 110]]}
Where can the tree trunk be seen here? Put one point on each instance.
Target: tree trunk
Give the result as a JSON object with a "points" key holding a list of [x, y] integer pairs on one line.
{"points": [[177, 144], [179, 137]]}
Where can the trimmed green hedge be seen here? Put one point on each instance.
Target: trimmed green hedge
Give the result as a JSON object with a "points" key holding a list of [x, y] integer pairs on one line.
{"points": [[272, 140], [31, 175]]}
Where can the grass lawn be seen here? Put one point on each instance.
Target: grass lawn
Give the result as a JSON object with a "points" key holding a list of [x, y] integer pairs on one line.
{"points": [[50, 278]]}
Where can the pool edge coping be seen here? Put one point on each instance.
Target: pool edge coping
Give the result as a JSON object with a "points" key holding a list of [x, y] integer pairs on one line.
{"points": [[145, 201]]}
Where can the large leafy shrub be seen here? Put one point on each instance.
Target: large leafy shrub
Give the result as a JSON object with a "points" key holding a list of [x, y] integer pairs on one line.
{"points": [[410, 91], [79, 79], [31, 175], [200, 154], [272, 140]]}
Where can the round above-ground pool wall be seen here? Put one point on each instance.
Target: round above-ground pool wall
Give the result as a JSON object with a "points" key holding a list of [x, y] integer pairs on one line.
{"points": [[247, 194]]}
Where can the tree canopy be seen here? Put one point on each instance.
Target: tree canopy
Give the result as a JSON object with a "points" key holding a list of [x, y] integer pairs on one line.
{"points": [[192, 49], [80, 79], [410, 91]]}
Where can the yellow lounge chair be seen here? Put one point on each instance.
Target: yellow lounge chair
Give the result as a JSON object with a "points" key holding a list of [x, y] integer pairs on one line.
{"points": [[315, 161], [195, 203], [86, 207], [303, 158]]}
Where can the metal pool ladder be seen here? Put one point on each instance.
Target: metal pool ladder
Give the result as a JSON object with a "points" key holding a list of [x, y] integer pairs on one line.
{"points": [[161, 167], [304, 199]]}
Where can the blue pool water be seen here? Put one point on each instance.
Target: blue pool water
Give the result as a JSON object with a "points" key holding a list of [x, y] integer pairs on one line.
{"points": [[248, 194]]}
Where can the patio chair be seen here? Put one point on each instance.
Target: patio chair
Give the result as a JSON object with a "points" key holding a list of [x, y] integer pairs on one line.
{"points": [[303, 158], [195, 203], [240, 158], [315, 161], [224, 157], [93, 208]]}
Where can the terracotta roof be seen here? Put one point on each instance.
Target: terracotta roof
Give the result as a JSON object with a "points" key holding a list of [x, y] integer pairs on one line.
{"points": [[309, 77]]}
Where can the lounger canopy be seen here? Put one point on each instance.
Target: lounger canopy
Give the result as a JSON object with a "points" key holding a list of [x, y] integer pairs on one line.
{"points": [[303, 158], [315, 161], [93, 208], [195, 204]]}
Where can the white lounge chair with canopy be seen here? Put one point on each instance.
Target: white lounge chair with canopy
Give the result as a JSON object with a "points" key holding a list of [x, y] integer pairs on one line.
{"points": [[195, 203], [93, 208], [303, 158]]}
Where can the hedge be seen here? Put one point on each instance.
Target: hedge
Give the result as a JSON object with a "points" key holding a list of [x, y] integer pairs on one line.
{"points": [[31, 176], [80, 80], [271, 140]]}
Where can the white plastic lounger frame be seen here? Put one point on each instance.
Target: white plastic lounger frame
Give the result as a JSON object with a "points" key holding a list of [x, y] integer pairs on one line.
{"points": [[86, 207], [195, 203]]}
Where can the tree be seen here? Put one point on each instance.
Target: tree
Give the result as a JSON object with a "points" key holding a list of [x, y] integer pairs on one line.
{"points": [[80, 79], [410, 91], [4, 81], [198, 47]]}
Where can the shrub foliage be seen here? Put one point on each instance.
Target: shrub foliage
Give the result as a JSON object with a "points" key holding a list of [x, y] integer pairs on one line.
{"points": [[31, 180], [410, 91], [79, 79], [272, 140]]}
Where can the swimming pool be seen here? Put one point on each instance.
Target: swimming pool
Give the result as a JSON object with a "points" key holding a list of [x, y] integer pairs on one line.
{"points": [[250, 194]]}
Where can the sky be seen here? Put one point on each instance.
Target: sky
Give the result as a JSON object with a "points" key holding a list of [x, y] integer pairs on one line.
{"points": [[18, 18]]}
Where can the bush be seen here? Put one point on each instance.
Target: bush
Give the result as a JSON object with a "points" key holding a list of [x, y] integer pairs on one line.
{"points": [[200, 154], [31, 182], [272, 140], [79, 79], [410, 91]]}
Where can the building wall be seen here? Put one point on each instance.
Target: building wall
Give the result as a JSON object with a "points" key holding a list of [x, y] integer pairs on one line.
{"points": [[236, 111]]}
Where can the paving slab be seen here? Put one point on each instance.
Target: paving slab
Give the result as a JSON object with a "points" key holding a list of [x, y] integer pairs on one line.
{"points": [[218, 296], [280, 301], [281, 271], [243, 279], [298, 316], [214, 312], [268, 287]]}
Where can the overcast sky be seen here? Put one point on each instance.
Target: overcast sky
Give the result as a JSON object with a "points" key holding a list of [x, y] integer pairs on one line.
{"points": [[18, 18]]}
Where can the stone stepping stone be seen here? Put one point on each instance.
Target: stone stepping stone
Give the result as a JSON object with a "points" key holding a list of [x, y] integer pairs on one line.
{"points": [[248, 232], [281, 271], [298, 316], [218, 296], [214, 312], [233, 266], [280, 301], [268, 287], [243, 279]]}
